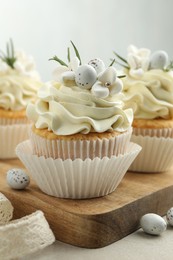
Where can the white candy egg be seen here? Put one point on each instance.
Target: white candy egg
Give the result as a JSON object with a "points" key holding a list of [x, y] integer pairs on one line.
{"points": [[86, 76], [169, 216], [153, 224], [97, 64], [159, 60], [17, 179], [68, 78]]}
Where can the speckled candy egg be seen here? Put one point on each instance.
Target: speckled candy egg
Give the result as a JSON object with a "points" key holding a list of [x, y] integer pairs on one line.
{"points": [[86, 76], [153, 224], [159, 60], [97, 64], [17, 179], [169, 216]]}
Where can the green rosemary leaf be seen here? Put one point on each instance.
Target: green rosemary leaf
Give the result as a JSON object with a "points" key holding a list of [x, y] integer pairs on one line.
{"points": [[169, 67], [9, 56], [8, 50], [68, 54], [113, 61], [76, 52], [121, 58], [12, 48], [55, 58], [127, 67], [121, 76]]}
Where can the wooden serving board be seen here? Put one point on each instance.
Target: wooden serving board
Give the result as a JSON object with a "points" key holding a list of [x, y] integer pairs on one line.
{"points": [[94, 223]]}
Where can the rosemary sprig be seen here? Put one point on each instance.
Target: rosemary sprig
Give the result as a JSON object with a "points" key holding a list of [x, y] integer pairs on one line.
{"points": [[121, 58], [113, 61], [59, 61], [169, 67], [76, 52], [55, 58], [68, 54], [122, 65], [9, 57], [126, 65], [121, 76]]}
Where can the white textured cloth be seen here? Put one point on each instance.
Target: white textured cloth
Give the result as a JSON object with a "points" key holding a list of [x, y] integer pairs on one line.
{"points": [[24, 236], [6, 210]]}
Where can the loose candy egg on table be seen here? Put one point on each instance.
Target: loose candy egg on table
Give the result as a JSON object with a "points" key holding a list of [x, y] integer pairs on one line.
{"points": [[17, 179], [169, 216], [153, 224], [86, 76]]}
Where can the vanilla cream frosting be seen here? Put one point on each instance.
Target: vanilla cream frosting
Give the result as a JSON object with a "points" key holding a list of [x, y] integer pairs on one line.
{"points": [[17, 90], [151, 95], [70, 110]]}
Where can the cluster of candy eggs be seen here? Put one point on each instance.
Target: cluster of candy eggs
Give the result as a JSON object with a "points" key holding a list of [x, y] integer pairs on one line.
{"points": [[154, 224], [85, 76]]}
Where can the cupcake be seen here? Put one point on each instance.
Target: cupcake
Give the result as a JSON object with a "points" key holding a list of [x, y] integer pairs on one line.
{"points": [[19, 83], [148, 90], [80, 136]]}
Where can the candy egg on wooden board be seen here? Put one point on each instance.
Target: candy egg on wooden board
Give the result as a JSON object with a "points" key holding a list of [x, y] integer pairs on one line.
{"points": [[153, 224], [159, 60], [86, 76], [169, 216], [97, 64], [17, 179]]}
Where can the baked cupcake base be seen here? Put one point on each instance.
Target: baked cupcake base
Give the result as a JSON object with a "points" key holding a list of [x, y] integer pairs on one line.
{"points": [[82, 146], [8, 117], [77, 179]]}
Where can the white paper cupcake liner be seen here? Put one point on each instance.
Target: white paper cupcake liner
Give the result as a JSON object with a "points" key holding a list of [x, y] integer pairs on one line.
{"points": [[13, 121], [77, 179], [10, 137], [80, 148], [162, 132], [156, 154], [24, 236]]}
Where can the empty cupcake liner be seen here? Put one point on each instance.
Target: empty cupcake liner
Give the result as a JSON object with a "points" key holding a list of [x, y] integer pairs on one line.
{"points": [[77, 179], [156, 154], [10, 137], [80, 148]]}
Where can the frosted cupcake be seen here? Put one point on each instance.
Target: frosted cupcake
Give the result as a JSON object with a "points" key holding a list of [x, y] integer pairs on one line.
{"points": [[79, 131], [19, 83], [148, 90]]}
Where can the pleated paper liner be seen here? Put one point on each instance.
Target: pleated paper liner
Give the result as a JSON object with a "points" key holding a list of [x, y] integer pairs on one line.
{"points": [[160, 132], [80, 148], [156, 154], [77, 179], [12, 121], [10, 137]]}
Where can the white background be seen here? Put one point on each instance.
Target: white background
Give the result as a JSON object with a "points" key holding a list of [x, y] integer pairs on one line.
{"points": [[44, 28]]}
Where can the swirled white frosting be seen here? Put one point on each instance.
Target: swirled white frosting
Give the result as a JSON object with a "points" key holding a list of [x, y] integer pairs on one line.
{"points": [[70, 110], [150, 96], [17, 90]]}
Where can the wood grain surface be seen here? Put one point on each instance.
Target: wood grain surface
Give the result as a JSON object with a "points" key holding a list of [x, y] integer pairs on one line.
{"points": [[94, 223]]}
